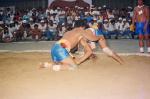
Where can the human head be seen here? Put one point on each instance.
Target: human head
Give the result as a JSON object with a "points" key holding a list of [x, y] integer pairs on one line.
{"points": [[24, 21], [120, 19], [36, 26], [80, 23], [106, 21], [124, 20], [42, 22], [140, 2]]}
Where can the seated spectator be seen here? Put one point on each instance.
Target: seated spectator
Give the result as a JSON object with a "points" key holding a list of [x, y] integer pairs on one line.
{"points": [[7, 36], [41, 15], [25, 16], [43, 27], [105, 28], [1, 29], [89, 17], [110, 14], [16, 26], [31, 23], [61, 30], [112, 29], [126, 29], [36, 33], [12, 29], [69, 20], [119, 26], [52, 30], [61, 14], [132, 29], [23, 31]]}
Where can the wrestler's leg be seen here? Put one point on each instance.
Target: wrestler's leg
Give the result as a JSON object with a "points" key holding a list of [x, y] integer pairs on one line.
{"points": [[68, 63], [141, 43], [108, 51], [65, 64], [147, 39]]}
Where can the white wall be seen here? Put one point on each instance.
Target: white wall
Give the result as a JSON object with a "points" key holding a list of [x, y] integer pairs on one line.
{"points": [[88, 1]]}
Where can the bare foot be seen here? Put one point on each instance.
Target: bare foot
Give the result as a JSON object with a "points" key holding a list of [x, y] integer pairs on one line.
{"points": [[45, 65]]}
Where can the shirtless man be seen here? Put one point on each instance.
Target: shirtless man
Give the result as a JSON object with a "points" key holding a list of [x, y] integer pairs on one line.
{"points": [[93, 34], [141, 18], [60, 51]]}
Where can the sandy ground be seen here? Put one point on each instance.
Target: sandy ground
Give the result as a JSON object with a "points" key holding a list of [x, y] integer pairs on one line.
{"points": [[20, 78]]}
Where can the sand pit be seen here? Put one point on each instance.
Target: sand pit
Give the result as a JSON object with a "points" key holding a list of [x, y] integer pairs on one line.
{"points": [[20, 78]]}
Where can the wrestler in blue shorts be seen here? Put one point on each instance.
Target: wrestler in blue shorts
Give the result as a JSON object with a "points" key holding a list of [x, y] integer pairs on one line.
{"points": [[140, 29], [143, 34], [58, 52]]}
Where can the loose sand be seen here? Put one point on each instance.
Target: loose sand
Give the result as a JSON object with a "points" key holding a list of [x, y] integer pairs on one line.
{"points": [[20, 78]]}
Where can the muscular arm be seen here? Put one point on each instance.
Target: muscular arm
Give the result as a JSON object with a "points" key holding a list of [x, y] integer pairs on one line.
{"points": [[147, 15], [87, 52], [89, 35], [134, 16]]}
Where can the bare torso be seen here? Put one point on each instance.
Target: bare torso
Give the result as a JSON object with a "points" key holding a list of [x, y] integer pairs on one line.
{"points": [[141, 14]]}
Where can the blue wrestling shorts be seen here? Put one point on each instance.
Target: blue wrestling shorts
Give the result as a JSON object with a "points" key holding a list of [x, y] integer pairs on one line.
{"points": [[140, 28], [58, 53]]}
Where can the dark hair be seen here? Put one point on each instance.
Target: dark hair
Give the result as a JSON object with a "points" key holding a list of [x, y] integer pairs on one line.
{"points": [[36, 25], [80, 23]]}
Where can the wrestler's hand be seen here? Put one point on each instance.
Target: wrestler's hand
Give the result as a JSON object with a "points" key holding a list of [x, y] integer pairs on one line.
{"points": [[76, 60]]}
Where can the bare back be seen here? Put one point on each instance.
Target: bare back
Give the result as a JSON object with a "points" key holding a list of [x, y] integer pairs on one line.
{"points": [[73, 36], [90, 36]]}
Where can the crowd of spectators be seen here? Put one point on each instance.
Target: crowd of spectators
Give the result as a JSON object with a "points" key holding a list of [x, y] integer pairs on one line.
{"points": [[51, 24]]}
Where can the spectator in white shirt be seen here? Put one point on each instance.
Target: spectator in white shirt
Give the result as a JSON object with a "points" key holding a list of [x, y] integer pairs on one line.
{"points": [[110, 14], [43, 27], [119, 26], [112, 29], [69, 20], [106, 26], [126, 29]]}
